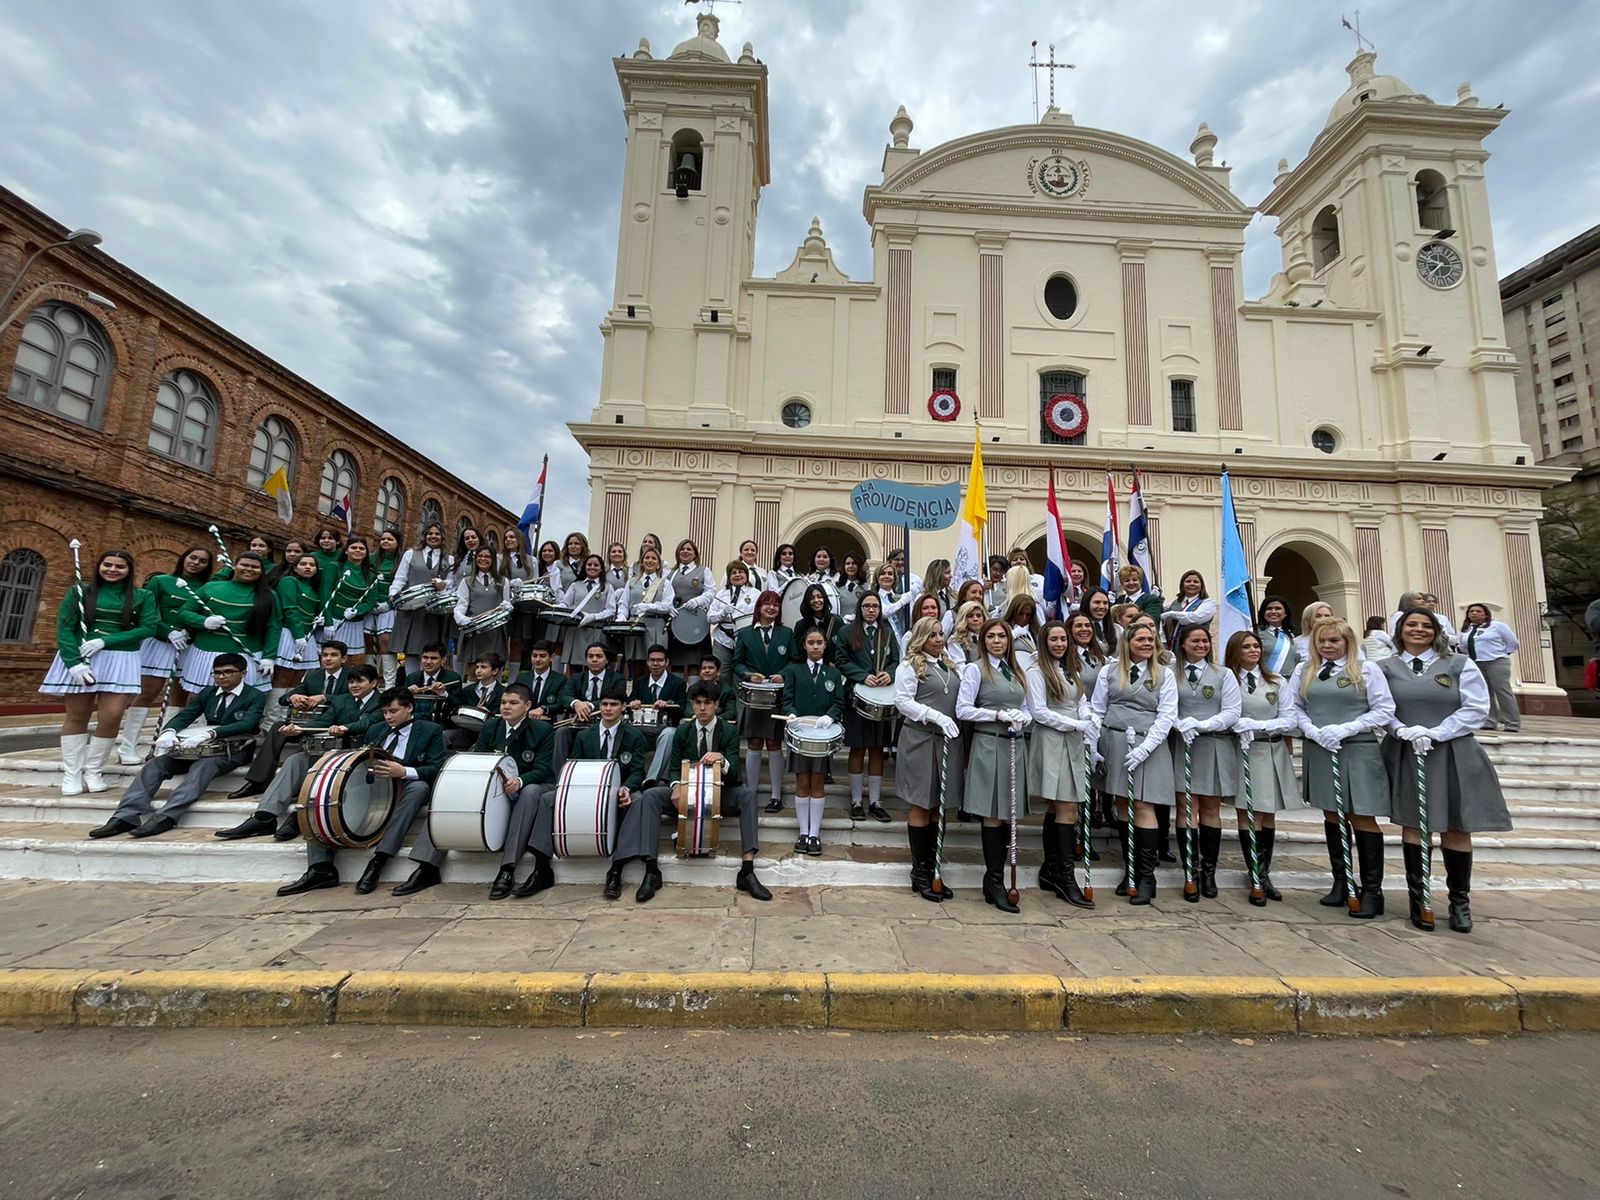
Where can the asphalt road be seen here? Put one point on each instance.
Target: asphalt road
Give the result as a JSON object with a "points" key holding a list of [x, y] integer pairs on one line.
{"points": [[489, 1113]]}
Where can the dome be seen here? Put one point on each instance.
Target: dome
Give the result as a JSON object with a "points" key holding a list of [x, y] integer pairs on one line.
{"points": [[704, 43], [1366, 86]]}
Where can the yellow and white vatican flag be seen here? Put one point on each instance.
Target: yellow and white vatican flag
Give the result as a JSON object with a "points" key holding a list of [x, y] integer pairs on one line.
{"points": [[277, 486], [969, 562]]}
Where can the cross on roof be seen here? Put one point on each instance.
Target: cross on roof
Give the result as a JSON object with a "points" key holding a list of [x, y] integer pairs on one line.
{"points": [[1052, 66]]}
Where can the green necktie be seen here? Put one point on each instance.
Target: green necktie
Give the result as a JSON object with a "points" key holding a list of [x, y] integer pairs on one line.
{"points": [[1005, 670], [1194, 673], [1133, 674]]}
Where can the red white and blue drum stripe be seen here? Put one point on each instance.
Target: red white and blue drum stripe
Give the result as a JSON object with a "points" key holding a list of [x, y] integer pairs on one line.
{"points": [[696, 822], [1066, 415], [322, 802], [584, 821]]}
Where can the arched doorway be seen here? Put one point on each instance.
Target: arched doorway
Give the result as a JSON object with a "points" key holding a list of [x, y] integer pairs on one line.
{"points": [[838, 541], [1302, 572]]}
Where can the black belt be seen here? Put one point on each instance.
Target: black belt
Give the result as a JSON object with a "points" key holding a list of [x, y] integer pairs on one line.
{"points": [[995, 733], [1268, 737]]}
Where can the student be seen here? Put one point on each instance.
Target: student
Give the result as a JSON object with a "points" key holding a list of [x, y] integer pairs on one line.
{"points": [[1276, 632], [316, 691], [482, 690], [1060, 712], [639, 811], [355, 592], [224, 616], [867, 654], [760, 654], [811, 688], [158, 654], [551, 691], [736, 599], [929, 750], [1192, 606], [436, 688], [1205, 754], [727, 698], [1490, 644], [993, 697], [1264, 727]]}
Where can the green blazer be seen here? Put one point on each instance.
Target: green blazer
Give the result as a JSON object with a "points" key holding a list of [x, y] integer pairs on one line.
{"points": [[533, 746], [802, 698], [424, 749], [686, 748], [469, 696], [357, 715], [244, 714], [556, 695], [628, 748], [428, 705], [751, 657], [856, 665], [315, 684], [1150, 603], [673, 690], [580, 684]]}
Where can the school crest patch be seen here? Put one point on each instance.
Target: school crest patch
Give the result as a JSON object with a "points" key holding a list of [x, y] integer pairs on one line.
{"points": [[1344, 681], [527, 756], [1208, 691], [1272, 697], [828, 683], [1149, 685], [1443, 680], [625, 757]]}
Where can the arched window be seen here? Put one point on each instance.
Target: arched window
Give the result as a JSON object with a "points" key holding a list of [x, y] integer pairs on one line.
{"points": [[685, 162], [461, 527], [63, 364], [391, 505], [1325, 238], [1052, 384], [338, 481], [273, 448], [432, 514], [492, 540], [184, 426], [21, 585], [1433, 201]]}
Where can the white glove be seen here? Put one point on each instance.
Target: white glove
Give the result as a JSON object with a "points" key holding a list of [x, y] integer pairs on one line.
{"points": [[1136, 757], [1188, 731], [824, 722], [589, 619], [349, 614], [1245, 738], [503, 606], [91, 647], [1422, 743], [1023, 719], [265, 664], [1098, 759], [1409, 733], [318, 621], [300, 647], [166, 741], [80, 675], [1245, 725], [179, 639], [948, 727], [382, 608], [1327, 739], [215, 622]]}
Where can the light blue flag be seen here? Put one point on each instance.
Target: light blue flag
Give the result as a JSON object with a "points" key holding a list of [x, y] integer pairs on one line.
{"points": [[1235, 614]]}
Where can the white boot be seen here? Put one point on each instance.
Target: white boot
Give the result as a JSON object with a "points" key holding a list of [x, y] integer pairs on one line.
{"points": [[275, 713], [128, 740], [74, 749], [99, 750], [388, 666]]}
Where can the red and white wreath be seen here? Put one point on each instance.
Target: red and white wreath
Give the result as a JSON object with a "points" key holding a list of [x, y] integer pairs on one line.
{"points": [[1066, 415], [944, 405]]}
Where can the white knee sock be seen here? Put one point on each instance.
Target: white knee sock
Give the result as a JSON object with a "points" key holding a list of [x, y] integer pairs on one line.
{"points": [[752, 769], [814, 816], [775, 765], [855, 788], [874, 788]]}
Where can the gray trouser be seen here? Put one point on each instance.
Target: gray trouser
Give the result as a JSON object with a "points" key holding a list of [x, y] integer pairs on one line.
{"points": [[639, 827], [285, 785], [736, 802], [197, 775], [724, 656], [662, 755], [561, 747], [520, 824], [413, 799], [1502, 700]]}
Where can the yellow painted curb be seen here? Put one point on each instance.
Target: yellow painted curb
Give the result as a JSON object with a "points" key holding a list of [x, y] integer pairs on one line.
{"points": [[38, 997], [1448, 1004], [743, 1000], [919, 1001], [462, 998], [1551, 1003], [229, 999], [1179, 1004]]}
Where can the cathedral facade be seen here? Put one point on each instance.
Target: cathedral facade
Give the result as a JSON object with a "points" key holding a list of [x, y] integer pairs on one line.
{"points": [[1079, 292]]}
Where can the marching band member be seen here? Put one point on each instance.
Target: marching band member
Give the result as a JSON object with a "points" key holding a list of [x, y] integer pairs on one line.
{"points": [[547, 566], [617, 567], [1208, 706], [435, 689], [937, 580], [727, 699], [648, 603], [822, 567], [891, 604], [226, 615], [414, 754], [260, 545], [929, 752], [816, 612], [483, 590], [1192, 606], [852, 582], [1096, 605], [596, 679], [529, 744], [1022, 615], [1276, 631], [1134, 592], [1340, 703], [1440, 698], [661, 689], [709, 741], [1092, 659], [1061, 716], [1075, 586], [690, 587], [573, 553], [292, 550], [330, 678], [966, 632], [812, 687], [638, 811], [648, 542], [158, 654], [1135, 702], [593, 603], [232, 710], [970, 591], [867, 653], [515, 566], [482, 690], [749, 555], [356, 591], [1264, 727], [468, 542], [996, 592], [380, 622], [425, 562], [325, 545], [993, 697], [927, 605], [783, 568], [1317, 610], [101, 628], [736, 599], [760, 654], [551, 691], [1490, 644], [350, 714]]}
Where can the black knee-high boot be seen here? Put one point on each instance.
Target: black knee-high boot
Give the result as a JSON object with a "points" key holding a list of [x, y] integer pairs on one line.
{"points": [[1051, 868], [1340, 895], [922, 839], [1458, 878], [1066, 879], [1128, 852], [1163, 833], [1369, 848], [1413, 856], [996, 838], [1210, 849], [1147, 841], [1265, 838], [1247, 840]]}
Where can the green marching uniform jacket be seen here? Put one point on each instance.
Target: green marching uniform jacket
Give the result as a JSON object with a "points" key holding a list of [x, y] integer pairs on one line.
{"points": [[233, 601], [107, 621], [298, 606], [533, 748], [169, 599], [631, 753], [353, 590]]}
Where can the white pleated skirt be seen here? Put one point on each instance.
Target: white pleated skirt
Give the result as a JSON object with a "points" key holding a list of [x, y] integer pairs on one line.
{"points": [[115, 671], [380, 622], [352, 633], [156, 656], [291, 661], [195, 669]]}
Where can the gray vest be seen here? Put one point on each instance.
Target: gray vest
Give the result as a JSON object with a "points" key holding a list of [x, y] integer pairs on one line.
{"points": [[1425, 699], [1333, 701], [481, 599], [999, 692], [590, 602], [687, 587], [1261, 704], [1089, 674], [1203, 698], [939, 688], [1132, 707]]}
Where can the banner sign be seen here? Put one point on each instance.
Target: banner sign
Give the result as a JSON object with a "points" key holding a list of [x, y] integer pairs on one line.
{"points": [[920, 508]]}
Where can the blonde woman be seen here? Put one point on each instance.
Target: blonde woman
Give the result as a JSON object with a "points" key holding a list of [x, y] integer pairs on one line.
{"points": [[994, 698], [963, 644], [929, 752], [1316, 611], [1022, 614], [1340, 703], [1061, 715]]}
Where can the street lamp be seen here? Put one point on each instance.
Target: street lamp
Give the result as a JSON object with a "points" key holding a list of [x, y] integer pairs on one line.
{"points": [[80, 239], [38, 293]]}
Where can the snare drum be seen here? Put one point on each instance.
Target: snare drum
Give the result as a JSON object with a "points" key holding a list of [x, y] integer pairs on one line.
{"points": [[874, 703], [342, 803], [698, 796], [486, 622], [650, 717], [469, 809], [690, 626], [584, 824], [802, 736], [414, 597], [762, 696], [470, 719], [794, 593], [440, 602], [192, 748], [317, 742], [532, 595], [622, 629]]}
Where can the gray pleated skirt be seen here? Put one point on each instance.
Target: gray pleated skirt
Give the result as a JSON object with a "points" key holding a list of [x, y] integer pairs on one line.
{"points": [[1055, 765], [1273, 787], [1464, 793], [988, 783], [916, 767], [1213, 764], [1366, 783]]}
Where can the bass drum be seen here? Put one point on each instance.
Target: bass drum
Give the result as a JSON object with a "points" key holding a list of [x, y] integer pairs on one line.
{"points": [[690, 626], [795, 592], [584, 809], [342, 803], [698, 797], [470, 809]]}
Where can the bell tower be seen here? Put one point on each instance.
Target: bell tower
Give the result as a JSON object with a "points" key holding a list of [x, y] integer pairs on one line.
{"points": [[696, 161], [1388, 214]]}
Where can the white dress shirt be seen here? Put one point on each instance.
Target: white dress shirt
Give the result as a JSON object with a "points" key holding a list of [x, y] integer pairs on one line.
{"points": [[1380, 701], [1474, 710], [1489, 642], [1284, 722]]}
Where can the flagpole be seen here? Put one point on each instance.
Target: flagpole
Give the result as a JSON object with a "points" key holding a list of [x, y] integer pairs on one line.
{"points": [[538, 526]]}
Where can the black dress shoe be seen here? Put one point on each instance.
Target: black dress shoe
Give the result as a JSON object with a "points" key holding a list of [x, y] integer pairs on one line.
{"points": [[749, 884], [614, 882], [858, 813], [650, 884], [504, 881], [246, 789], [879, 813], [420, 880], [538, 880], [814, 847], [256, 825], [774, 806], [368, 883], [286, 831], [112, 828], [155, 827], [802, 844], [322, 875]]}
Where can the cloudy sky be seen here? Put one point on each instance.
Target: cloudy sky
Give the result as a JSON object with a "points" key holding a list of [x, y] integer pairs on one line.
{"points": [[413, 203]]}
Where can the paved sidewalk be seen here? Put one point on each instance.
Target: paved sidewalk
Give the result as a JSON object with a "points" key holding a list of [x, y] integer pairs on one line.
{"points": [[453, 928]]}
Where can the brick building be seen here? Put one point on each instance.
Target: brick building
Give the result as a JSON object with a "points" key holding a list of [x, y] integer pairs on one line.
{"points": [[131, 421]]}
